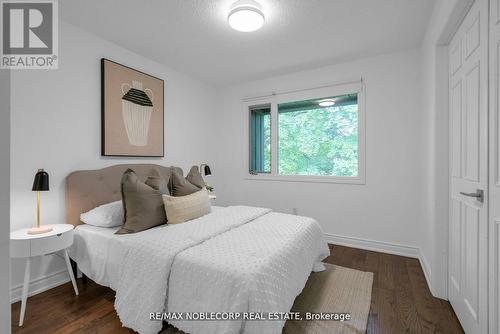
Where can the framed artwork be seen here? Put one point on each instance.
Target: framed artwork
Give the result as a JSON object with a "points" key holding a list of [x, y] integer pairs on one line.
{"points": [[132, 115]]}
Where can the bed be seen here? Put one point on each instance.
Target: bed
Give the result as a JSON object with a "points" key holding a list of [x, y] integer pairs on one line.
{"points": [[237, 261]]}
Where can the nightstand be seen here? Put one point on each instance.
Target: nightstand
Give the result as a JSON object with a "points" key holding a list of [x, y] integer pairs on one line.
{"points": [[24, 245]]}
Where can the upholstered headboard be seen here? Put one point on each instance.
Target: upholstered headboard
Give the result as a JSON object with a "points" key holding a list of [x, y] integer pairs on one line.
{"points": [[87, 189]]}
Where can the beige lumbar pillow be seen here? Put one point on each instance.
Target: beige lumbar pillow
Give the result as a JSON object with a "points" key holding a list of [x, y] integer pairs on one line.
{"points": [[180, 209]]}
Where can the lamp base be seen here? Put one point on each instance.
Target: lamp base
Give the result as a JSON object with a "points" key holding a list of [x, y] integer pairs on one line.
{"points": [[40, 230]]}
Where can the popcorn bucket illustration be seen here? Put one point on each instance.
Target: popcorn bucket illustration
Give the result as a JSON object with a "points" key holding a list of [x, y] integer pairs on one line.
{"points": [[137, 107]]}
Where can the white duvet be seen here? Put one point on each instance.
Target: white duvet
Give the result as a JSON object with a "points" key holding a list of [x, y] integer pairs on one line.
{"points": [[237, 259]]}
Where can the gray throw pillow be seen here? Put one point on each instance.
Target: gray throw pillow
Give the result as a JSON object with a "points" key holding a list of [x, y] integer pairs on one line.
{"points": [[179, 186], [155, 180], [194, 177], [142, 202]]}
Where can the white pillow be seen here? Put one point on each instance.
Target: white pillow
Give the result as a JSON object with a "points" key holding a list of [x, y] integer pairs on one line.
{"points": [[106, 215], [180, 209]]}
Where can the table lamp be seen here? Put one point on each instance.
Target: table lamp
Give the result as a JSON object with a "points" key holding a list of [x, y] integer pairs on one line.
{"points": [[41, 183], [206, 169]]}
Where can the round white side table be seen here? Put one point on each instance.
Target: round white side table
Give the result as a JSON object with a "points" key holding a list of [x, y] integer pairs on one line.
{"points": [[24, 245]]}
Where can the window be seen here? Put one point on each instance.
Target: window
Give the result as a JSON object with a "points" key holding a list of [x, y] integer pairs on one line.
{"points": [[311, 136], [316, 140], [260, 139]]}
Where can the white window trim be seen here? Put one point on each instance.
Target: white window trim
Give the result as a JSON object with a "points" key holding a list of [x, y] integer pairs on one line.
{"points": [[298, 95]]}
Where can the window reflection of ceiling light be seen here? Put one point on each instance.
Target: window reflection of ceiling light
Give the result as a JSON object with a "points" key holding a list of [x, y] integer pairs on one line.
{"points": [[327, 102], [246, 16]]}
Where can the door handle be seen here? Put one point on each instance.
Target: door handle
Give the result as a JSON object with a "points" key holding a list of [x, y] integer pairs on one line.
{"points": [[479, 195]]}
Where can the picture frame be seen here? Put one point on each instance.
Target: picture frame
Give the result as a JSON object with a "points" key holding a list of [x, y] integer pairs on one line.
{"points": [[132, 112]]}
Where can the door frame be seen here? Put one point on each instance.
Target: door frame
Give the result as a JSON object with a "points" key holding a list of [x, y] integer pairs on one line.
{"points": [[494, 181], [439, 173], [472, 315]]}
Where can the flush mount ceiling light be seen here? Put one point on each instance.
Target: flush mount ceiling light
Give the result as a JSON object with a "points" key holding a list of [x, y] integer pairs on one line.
{"points": [[327, 102], [246, 16]]}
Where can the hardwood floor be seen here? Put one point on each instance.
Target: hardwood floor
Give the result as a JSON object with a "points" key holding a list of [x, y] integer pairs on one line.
{"points": [[401, 301]]}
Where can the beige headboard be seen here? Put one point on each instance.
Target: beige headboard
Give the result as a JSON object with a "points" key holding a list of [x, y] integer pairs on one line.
{"points": [[87, 189]]}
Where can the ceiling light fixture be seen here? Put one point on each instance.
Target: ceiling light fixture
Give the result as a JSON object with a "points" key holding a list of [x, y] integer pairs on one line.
{"points": [[246, 16], [327, 102]]}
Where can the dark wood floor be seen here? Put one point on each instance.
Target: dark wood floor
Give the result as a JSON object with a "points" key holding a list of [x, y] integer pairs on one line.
{"points": [[401, 301]]}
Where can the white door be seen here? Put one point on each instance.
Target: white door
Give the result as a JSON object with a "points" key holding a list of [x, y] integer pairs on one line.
{"points": [[494, 187], [468, 239]]}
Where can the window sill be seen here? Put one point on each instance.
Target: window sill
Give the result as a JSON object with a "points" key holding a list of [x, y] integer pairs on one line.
{"points": [[306, 178]]}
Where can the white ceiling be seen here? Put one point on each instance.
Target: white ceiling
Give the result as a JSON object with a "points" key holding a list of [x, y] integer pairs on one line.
{"points": [[192, 36]]}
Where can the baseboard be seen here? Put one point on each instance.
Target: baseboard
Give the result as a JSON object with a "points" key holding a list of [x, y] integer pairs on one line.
{"points": [[373, 245], [40, 284], [426, 268], [384, 247]]}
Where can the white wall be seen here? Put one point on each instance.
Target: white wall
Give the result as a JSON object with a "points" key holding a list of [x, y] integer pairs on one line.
{"points": [[390, 207], [56, 126], [4, 200]]}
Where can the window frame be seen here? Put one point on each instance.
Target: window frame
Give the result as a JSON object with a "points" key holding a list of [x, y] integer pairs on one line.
{"points": [[251, 109], [299, 95]]}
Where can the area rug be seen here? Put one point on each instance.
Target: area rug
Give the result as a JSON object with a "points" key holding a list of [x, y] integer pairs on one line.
{"points": [[333, 293]]}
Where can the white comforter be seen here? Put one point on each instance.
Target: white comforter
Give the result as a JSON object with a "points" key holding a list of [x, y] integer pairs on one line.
{"points": [[247, 260]]}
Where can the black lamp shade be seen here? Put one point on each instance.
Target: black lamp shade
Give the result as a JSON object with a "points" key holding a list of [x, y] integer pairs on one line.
{"points": [[41, 182], [207, 170]]}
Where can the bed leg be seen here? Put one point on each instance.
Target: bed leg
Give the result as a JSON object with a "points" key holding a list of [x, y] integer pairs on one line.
{"points": [[84, 278]]}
